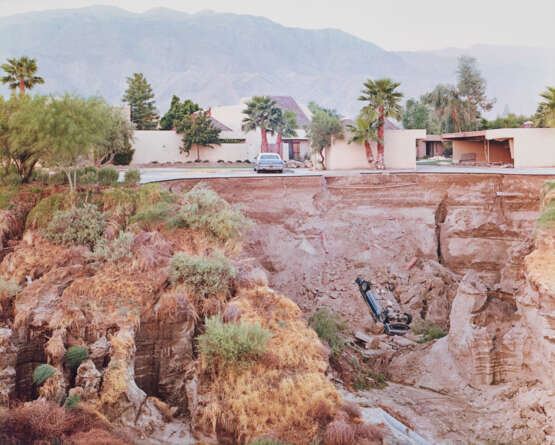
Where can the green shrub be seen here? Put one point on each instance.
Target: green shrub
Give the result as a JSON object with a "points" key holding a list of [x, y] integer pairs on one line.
{"points": [[204, 209], [43, 212], [72, 401], [367, 379], [150, 194], [58, 178], [157, 213], [7, 196], [9, 288], [75, 355], [42, 373], [330, 327], [124, 158], [202, 276], [429, 331], [40, 176], [87, 176], [108, 176], [76, 226], [12, 179], [86, 170], [112, 252], [132, 176], [231, 343]]}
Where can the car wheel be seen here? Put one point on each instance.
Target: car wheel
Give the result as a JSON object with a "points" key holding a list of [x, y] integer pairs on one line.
{"points": [[280, 171]]}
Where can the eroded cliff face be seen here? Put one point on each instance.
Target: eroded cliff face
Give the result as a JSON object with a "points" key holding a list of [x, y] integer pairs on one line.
{"points": [[456, 250], [460, 251]]}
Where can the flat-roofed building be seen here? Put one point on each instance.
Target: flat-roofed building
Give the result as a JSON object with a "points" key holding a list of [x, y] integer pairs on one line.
{"points": [[519, 147]]}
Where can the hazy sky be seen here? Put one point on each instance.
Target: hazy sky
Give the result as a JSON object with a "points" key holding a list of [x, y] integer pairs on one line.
{"points": [[391, 24]]}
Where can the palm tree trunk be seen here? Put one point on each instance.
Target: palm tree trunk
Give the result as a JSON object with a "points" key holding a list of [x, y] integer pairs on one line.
{"points": [[381, 129], [322, 160], [21, 87], [369, 156], [264, 134], [278, 145]]}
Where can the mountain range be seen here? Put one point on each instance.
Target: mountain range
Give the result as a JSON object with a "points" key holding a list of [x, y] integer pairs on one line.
{"points": [[218, 58]]}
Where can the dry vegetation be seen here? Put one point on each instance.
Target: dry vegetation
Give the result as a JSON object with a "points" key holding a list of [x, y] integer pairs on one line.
{"points": [[98, 265]]}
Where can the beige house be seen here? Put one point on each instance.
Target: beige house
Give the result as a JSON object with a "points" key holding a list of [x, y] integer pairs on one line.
{"points": [[163, 146], [399, 150], [432, 145], [519, 147]]}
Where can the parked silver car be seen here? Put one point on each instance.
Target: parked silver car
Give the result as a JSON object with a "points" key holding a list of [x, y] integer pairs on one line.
{"points": [[269, 162]]}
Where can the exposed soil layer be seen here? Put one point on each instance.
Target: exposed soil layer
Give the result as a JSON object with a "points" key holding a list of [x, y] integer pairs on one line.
{"points": [[457, 251], [450, 249]]}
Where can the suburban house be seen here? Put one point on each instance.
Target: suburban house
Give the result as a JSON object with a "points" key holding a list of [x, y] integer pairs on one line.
{"points": [[163, 146], [519, 147], [399, 153], [430, 146], [297, 148]]}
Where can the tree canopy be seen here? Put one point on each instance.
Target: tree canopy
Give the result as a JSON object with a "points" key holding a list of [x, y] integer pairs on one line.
{"points": [[325, 126], [198, 130], [459, 108], [545, 115], [383, 101], [117, 135], [60, 132], [364, 131], [21, 73], [263, 113], [178, 110], [418, 115], [140, 97], [510, 121], [22, 133]]}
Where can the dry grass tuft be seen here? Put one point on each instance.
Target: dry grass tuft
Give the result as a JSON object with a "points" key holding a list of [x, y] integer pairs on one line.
{"points": [[38, 420], [352, 409], [339, 432], [322, 411], [98, 437], [33, 260], [288, 396], [55, 348], [364, 431], [47, 422], [231, 314], [172, 305]]}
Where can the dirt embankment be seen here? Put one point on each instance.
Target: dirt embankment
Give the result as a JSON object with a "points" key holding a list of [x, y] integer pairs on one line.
{"points": [[102, 307], [451, 250]]}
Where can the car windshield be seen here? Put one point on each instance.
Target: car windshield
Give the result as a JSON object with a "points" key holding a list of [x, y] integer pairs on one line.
{"points": [[270, 156]]}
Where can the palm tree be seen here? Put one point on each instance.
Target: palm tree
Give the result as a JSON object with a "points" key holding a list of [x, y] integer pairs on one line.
{"points": [[21, 74], [383, 100], [286, 127], [364, 131], [545, 116], [261, 112], [448, 108]]}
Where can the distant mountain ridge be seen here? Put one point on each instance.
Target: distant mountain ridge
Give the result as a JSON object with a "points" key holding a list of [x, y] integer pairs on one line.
{"points": [[217, 58]]}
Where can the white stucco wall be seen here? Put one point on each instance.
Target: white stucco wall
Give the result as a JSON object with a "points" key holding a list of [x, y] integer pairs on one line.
{"points": [[344, 156], [163, 146], [400, 148], [399, 151], [533, 147]]}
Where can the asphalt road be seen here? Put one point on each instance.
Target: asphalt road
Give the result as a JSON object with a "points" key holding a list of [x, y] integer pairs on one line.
{"points": [[166, 174]]}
